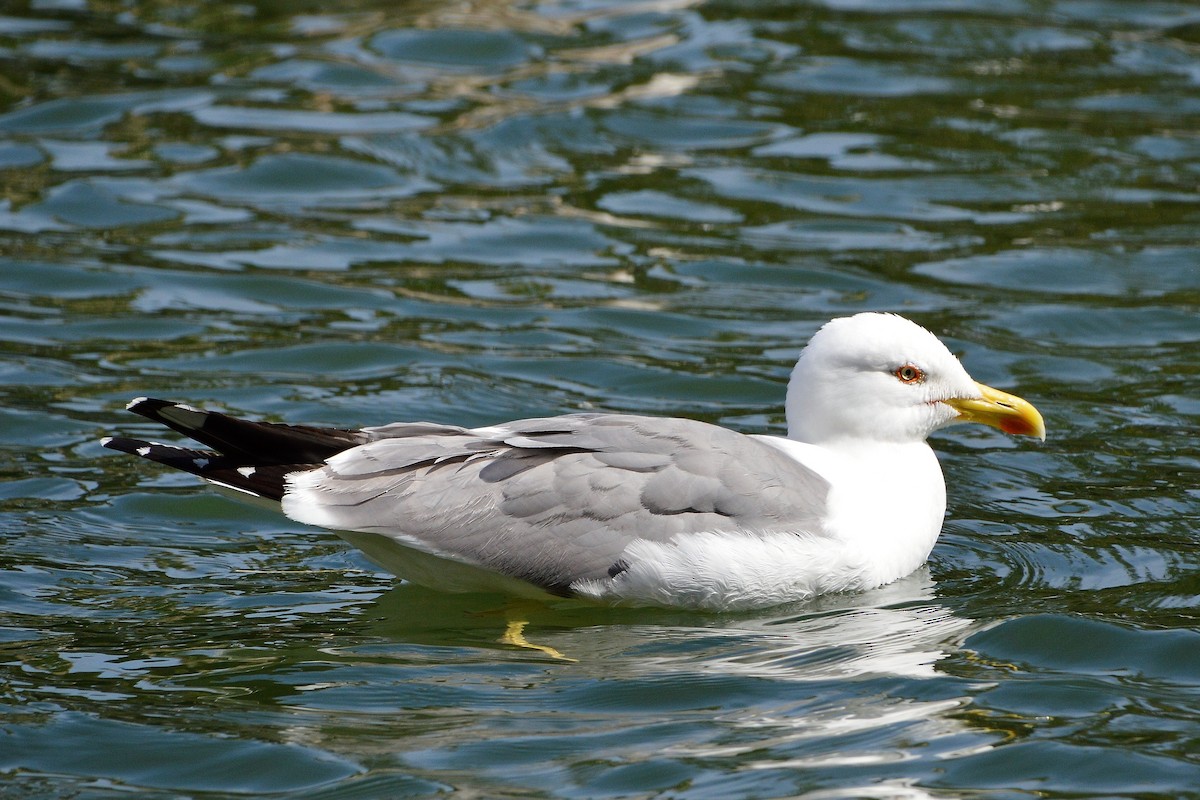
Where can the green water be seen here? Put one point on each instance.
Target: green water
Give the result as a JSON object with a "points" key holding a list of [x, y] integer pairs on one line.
{"points": [[357, 212]]}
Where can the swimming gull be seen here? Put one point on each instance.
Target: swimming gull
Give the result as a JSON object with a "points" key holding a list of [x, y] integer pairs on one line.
{"points": [[632, 509]]}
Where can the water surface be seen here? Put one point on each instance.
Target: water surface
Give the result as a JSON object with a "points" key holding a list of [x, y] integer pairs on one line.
{"points": [[367, 211]]}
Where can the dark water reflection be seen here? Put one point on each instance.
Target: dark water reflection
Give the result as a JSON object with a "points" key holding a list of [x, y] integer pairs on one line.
{"points": [[482, 210]]}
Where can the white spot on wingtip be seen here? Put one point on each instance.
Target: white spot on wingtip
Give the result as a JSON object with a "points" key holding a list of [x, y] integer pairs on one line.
{"points": [[144, 451], [104, 442], [135, 401], [246, 472]]}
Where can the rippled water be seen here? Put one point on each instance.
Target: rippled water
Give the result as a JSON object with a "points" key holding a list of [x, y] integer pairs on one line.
{"points": [[356, 212]]}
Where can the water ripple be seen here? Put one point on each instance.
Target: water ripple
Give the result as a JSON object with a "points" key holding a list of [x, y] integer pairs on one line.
{"points": [[481, 211]]}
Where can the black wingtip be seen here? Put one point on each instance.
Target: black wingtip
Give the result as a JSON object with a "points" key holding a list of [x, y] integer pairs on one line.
{"points": [[267, 482], [178, 416], [186, 458], [146, 406], [122, 444], [253, 443]]}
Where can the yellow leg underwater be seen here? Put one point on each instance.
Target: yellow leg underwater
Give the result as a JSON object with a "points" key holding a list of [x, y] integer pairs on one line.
{"points": [[514, 634]]}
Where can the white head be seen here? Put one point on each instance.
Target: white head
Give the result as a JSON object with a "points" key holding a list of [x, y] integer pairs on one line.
{"points": [[881, 378]]}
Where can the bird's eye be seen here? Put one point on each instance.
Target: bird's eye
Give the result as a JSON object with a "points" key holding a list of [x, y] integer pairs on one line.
{"points": [[909, 374]]}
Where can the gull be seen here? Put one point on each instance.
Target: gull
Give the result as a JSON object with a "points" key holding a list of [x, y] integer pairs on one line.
{"points": [[629, 509]]}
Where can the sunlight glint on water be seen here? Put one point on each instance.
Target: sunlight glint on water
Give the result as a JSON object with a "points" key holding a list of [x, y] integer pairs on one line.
{"points": [[478, 212]]}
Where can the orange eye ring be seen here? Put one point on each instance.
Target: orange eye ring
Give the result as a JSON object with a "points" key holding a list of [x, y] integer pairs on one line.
{"points": [[909, 373]]}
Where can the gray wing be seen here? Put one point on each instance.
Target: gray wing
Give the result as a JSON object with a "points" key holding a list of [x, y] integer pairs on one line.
{"points": [[553, 501]]}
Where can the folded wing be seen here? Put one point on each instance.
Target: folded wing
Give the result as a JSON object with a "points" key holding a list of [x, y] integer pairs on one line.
{"points": [[555, 501]]}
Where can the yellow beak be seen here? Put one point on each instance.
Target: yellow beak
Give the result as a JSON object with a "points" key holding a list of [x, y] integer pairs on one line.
{"points": [[1001, 410]]}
